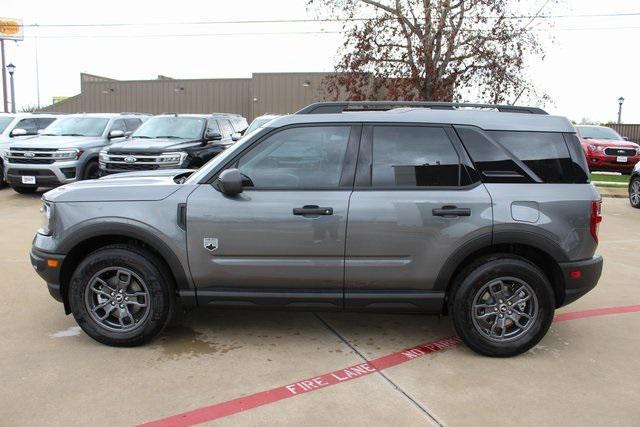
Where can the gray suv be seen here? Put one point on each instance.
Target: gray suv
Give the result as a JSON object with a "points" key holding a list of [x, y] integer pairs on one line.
{"points": [[66, 151], [481, 212]]}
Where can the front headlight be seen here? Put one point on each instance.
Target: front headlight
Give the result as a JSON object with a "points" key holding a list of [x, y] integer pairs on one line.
{"points": [[598, 148], [46, 216], [174, 158], [66, 154]]}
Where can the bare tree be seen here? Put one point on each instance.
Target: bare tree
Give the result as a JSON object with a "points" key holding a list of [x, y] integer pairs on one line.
{"points": [[439, 50]]}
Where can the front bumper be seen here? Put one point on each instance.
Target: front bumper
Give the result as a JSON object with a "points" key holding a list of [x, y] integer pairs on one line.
{"points": [[605, 162], [46, 175], [51, 275], [579, 284]]}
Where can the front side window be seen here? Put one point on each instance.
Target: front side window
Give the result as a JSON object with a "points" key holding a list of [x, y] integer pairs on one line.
{"points": [[297, 158], [77, 126], [171, 127], [407, 156], [119, 125], [227, 130], [43, 122], [28, 125], [132, 124]]}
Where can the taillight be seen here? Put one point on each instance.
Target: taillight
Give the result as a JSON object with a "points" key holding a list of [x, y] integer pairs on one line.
{"points": [[596, 218]]}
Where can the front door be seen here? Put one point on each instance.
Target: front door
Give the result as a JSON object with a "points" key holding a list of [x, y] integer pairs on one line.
{"points": [[280, 242], [415, 203]]}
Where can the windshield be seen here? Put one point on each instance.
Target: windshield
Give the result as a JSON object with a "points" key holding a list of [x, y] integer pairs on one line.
{"points": [[598, 133], [77, 126], [171, 127], [257, 123], [4, 122]]}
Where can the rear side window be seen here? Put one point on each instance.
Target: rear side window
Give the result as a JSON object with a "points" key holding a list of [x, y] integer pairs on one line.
{"points": [[408, 156], [544, 153], [520, 157]]}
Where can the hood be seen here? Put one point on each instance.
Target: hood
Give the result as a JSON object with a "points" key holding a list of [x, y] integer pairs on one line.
{"points": [[155, 145], [127, 189], [610, 143], [57, 141], [173, 173]]}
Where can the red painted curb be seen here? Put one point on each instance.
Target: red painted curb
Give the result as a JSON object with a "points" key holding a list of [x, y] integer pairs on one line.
{"points": [[241, 404]]}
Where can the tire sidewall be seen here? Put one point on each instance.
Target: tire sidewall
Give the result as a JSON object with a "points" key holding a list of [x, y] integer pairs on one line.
{"points": [[635, 179], [482, 274], [87, 168], [157, 285]]}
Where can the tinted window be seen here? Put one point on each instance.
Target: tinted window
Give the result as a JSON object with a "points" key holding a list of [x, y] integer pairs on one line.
{"points": [[305, 157], [213, 127], [43, 122], [132, 124], [226, 128], [29, 125], [118, 125], [546, 154], [413, 157]]}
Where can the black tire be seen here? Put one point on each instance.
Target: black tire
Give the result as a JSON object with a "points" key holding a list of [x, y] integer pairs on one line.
{"points": [[634, 192], [150, 269], [25, 190], [91, 170], [3, 183], [474, 278]]}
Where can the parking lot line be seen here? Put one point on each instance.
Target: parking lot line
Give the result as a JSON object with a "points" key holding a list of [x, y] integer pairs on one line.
{"points": [[234, 406]]}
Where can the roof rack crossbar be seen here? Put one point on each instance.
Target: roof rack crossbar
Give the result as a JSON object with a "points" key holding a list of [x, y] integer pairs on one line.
{"points": [[340, 107]]}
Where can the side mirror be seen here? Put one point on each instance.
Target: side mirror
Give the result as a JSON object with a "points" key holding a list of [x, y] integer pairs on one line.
{"points": [[19, 132], [230, 182], [116, 134], [212, 136], [626, 138], [236, 136]]}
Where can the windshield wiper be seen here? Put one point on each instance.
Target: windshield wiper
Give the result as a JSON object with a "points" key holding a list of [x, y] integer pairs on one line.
{"points": [[141, 136], [72, 134], [169, 136]]}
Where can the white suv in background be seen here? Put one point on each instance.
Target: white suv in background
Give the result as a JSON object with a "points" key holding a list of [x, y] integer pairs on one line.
{"points": [[16, 126]]}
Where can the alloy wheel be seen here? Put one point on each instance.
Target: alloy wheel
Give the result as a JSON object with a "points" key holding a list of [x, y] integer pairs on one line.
{"points": [[117, 299], [504, 309]]}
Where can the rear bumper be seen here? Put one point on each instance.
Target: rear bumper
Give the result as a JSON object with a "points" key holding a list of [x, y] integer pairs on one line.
{"points": [[51, 275], [578, 285]]}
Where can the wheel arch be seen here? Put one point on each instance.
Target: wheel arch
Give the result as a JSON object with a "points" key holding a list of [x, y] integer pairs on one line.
{"points": [[80, 244], [544, 254]]}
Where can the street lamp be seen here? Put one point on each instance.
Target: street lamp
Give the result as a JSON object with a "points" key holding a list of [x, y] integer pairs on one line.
{"points": [[11, 69], [620, 102]]}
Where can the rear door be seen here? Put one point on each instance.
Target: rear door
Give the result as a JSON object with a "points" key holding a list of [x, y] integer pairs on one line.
{"points": [[281, 241], [417, 200]]}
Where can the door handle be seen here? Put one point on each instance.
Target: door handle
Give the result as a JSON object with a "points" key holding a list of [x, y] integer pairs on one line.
{"points": [[312, 210], [451, 211]]}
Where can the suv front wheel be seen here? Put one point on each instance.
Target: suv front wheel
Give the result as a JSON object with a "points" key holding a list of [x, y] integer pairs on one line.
{"points": [[502, 305], [121, 295]]}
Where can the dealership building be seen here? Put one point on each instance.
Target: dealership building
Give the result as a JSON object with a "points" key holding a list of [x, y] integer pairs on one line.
{"points": [[277, 93]]}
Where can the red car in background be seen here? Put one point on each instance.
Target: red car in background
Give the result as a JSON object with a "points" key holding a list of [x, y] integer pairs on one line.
{"points": [[606, 150]]}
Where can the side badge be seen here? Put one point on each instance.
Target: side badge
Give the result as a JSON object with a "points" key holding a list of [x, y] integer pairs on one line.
{"points": [[210, 243]]}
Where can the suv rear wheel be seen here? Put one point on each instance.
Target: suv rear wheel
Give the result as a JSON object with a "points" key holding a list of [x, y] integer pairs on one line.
{"points": [[634, 192], [502, 305], [121, 295]]}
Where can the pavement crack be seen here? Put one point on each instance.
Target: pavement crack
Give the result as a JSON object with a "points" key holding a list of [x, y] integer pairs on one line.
{"points": [[399, 389]]}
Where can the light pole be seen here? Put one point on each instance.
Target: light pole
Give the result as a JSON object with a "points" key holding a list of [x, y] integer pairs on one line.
{"points": [[11, 69], [620, 102]]}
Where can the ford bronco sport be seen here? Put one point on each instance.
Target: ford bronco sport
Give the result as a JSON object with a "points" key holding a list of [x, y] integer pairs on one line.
{"points": [[481, 212]]}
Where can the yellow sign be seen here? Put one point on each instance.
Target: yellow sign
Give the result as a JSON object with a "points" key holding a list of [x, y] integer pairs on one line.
{"points": [[11, 29]]}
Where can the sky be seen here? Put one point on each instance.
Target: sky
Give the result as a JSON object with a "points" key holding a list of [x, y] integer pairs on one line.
{"points": [[590, 61]]}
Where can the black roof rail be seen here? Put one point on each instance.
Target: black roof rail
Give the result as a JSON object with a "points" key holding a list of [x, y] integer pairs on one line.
{"points": [[133, 113], [340, 107]]}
